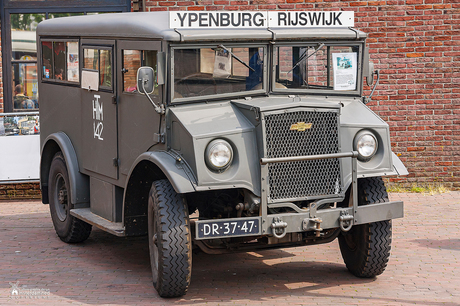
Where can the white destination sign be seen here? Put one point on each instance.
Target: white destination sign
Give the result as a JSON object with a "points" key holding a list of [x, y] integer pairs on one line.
{"points": [[229, 19], [311, 19], [256, 19]]}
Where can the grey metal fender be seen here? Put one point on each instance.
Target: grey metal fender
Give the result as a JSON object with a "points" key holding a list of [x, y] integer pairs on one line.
{"points": [[175, 169], [398, 165], [79, 183]]}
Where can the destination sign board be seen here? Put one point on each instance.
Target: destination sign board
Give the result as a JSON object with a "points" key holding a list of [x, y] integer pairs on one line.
{"points": [[260, 19], [311, 19]]}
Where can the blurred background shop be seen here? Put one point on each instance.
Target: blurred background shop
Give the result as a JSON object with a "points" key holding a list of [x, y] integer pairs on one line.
{"points": [[19, 108]]}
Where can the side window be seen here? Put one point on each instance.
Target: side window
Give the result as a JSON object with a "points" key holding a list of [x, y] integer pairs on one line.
{"points": [[132, 61], [60, 61], [47, 60], [101, 61]]}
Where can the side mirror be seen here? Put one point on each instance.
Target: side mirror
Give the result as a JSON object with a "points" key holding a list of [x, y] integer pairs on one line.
{"points": [[145, 80], [370, 74]]}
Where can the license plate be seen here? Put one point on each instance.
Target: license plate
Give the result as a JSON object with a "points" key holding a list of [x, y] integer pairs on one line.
{"points": [[225, 228]]}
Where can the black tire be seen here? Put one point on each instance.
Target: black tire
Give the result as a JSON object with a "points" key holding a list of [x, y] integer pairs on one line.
{"points": [[67, 227], [366, 248], [170, 242]]}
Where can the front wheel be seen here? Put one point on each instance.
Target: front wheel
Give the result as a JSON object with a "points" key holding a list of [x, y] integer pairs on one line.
{"points": [[366, 248], [170, 242]]}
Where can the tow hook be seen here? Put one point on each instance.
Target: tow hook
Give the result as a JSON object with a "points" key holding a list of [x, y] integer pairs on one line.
{"points": [[345, 221], [278, 227], [312, 224]]}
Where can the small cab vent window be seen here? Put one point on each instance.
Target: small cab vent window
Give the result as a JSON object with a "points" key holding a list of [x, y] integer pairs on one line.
{"points": [[60, 61]]}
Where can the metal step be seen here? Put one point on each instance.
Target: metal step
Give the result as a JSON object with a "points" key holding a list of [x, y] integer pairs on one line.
{"points": [[85, 214]]}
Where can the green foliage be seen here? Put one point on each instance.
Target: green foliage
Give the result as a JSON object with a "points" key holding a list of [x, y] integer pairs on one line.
{"points": [[429, 189], [26, 22], [417, 189], [29, 22]]}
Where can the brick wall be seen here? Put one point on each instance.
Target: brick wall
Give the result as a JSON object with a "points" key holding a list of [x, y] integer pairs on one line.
{"points": [[416, 46], [20, 191]]}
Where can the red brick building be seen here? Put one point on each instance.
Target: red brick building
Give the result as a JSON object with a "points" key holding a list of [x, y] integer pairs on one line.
{"points": [[414, 43]]}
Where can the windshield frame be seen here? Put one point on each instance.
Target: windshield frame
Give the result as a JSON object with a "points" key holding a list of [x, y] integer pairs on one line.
{"points": [[247, 93], [314, 44]]}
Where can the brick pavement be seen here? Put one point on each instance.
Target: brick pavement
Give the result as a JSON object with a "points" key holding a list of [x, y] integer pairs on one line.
{"points": [[424, 268]]}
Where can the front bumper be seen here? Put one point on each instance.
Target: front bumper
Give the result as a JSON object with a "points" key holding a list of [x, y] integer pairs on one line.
{"points": [[331, 218], [312, 219]]}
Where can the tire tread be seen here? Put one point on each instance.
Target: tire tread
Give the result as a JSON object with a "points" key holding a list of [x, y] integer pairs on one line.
{"points": [[79, 231], [176, 255], [373, 252]]}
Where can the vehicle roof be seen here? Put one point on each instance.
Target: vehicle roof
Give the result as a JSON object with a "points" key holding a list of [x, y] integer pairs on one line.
{"points": [[155, 25]]}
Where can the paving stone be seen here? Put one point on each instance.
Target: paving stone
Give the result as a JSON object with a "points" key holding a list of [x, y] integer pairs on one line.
{"points": [[424, 267]]}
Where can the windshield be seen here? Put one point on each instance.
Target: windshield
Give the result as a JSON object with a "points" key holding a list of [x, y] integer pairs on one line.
{"points": [[217, 70], [317, 66]]}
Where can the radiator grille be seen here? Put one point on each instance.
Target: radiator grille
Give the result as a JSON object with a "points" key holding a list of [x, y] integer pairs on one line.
{"points": [[301, 179]]}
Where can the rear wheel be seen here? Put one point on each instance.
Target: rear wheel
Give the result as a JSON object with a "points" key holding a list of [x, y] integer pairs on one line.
{"points": [[67, 227], [170, 242], [366, 247]]}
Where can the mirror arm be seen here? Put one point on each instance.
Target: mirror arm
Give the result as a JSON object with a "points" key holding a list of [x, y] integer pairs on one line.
{"points": [[368, 99], [158, 109]]}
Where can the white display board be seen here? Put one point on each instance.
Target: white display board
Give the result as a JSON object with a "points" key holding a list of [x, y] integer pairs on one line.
{"points": [[345, 66], [19, 158]]}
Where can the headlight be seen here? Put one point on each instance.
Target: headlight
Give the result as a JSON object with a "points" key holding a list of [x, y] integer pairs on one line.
{"points": [[219, 155], [366, 144]]}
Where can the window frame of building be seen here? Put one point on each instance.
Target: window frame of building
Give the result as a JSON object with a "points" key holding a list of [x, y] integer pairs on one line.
{"points": [[48, 7]]}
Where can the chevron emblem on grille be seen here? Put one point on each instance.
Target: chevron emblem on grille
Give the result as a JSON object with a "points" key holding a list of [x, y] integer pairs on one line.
{"points": [[301, 126]]}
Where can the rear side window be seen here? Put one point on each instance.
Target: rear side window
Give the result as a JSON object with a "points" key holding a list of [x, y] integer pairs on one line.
{"points": [[99, 59], [60, 61]]}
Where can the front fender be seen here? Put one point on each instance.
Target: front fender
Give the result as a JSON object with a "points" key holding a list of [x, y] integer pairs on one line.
{"points": [[174, 168], [398, 166]]}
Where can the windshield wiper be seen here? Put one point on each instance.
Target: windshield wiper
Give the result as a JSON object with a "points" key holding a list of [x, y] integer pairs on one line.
{"points": [[236, 57], [305, 55]]}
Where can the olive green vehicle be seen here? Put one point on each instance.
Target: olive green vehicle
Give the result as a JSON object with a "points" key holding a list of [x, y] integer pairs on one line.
{"points": [[224, 131]]}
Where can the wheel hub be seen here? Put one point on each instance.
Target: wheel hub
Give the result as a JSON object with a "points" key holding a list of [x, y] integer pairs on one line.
{"points": [[61, 198]]}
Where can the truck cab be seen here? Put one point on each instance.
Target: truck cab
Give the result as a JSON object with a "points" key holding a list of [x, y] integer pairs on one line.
{"points": [[224, 131]]}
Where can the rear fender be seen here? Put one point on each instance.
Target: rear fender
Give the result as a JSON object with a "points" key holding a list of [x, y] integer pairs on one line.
{"points": [[79, 183]]}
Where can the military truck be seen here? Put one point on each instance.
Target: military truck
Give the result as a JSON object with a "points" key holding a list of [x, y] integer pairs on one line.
{"points": [[223, 131]]}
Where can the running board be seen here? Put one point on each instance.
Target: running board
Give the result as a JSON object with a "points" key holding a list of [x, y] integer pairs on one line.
{"points": [[85, 214]]}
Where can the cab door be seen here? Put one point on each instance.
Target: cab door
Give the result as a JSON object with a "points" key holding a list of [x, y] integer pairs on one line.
{"points": [[138, 122], [98, 108]]}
